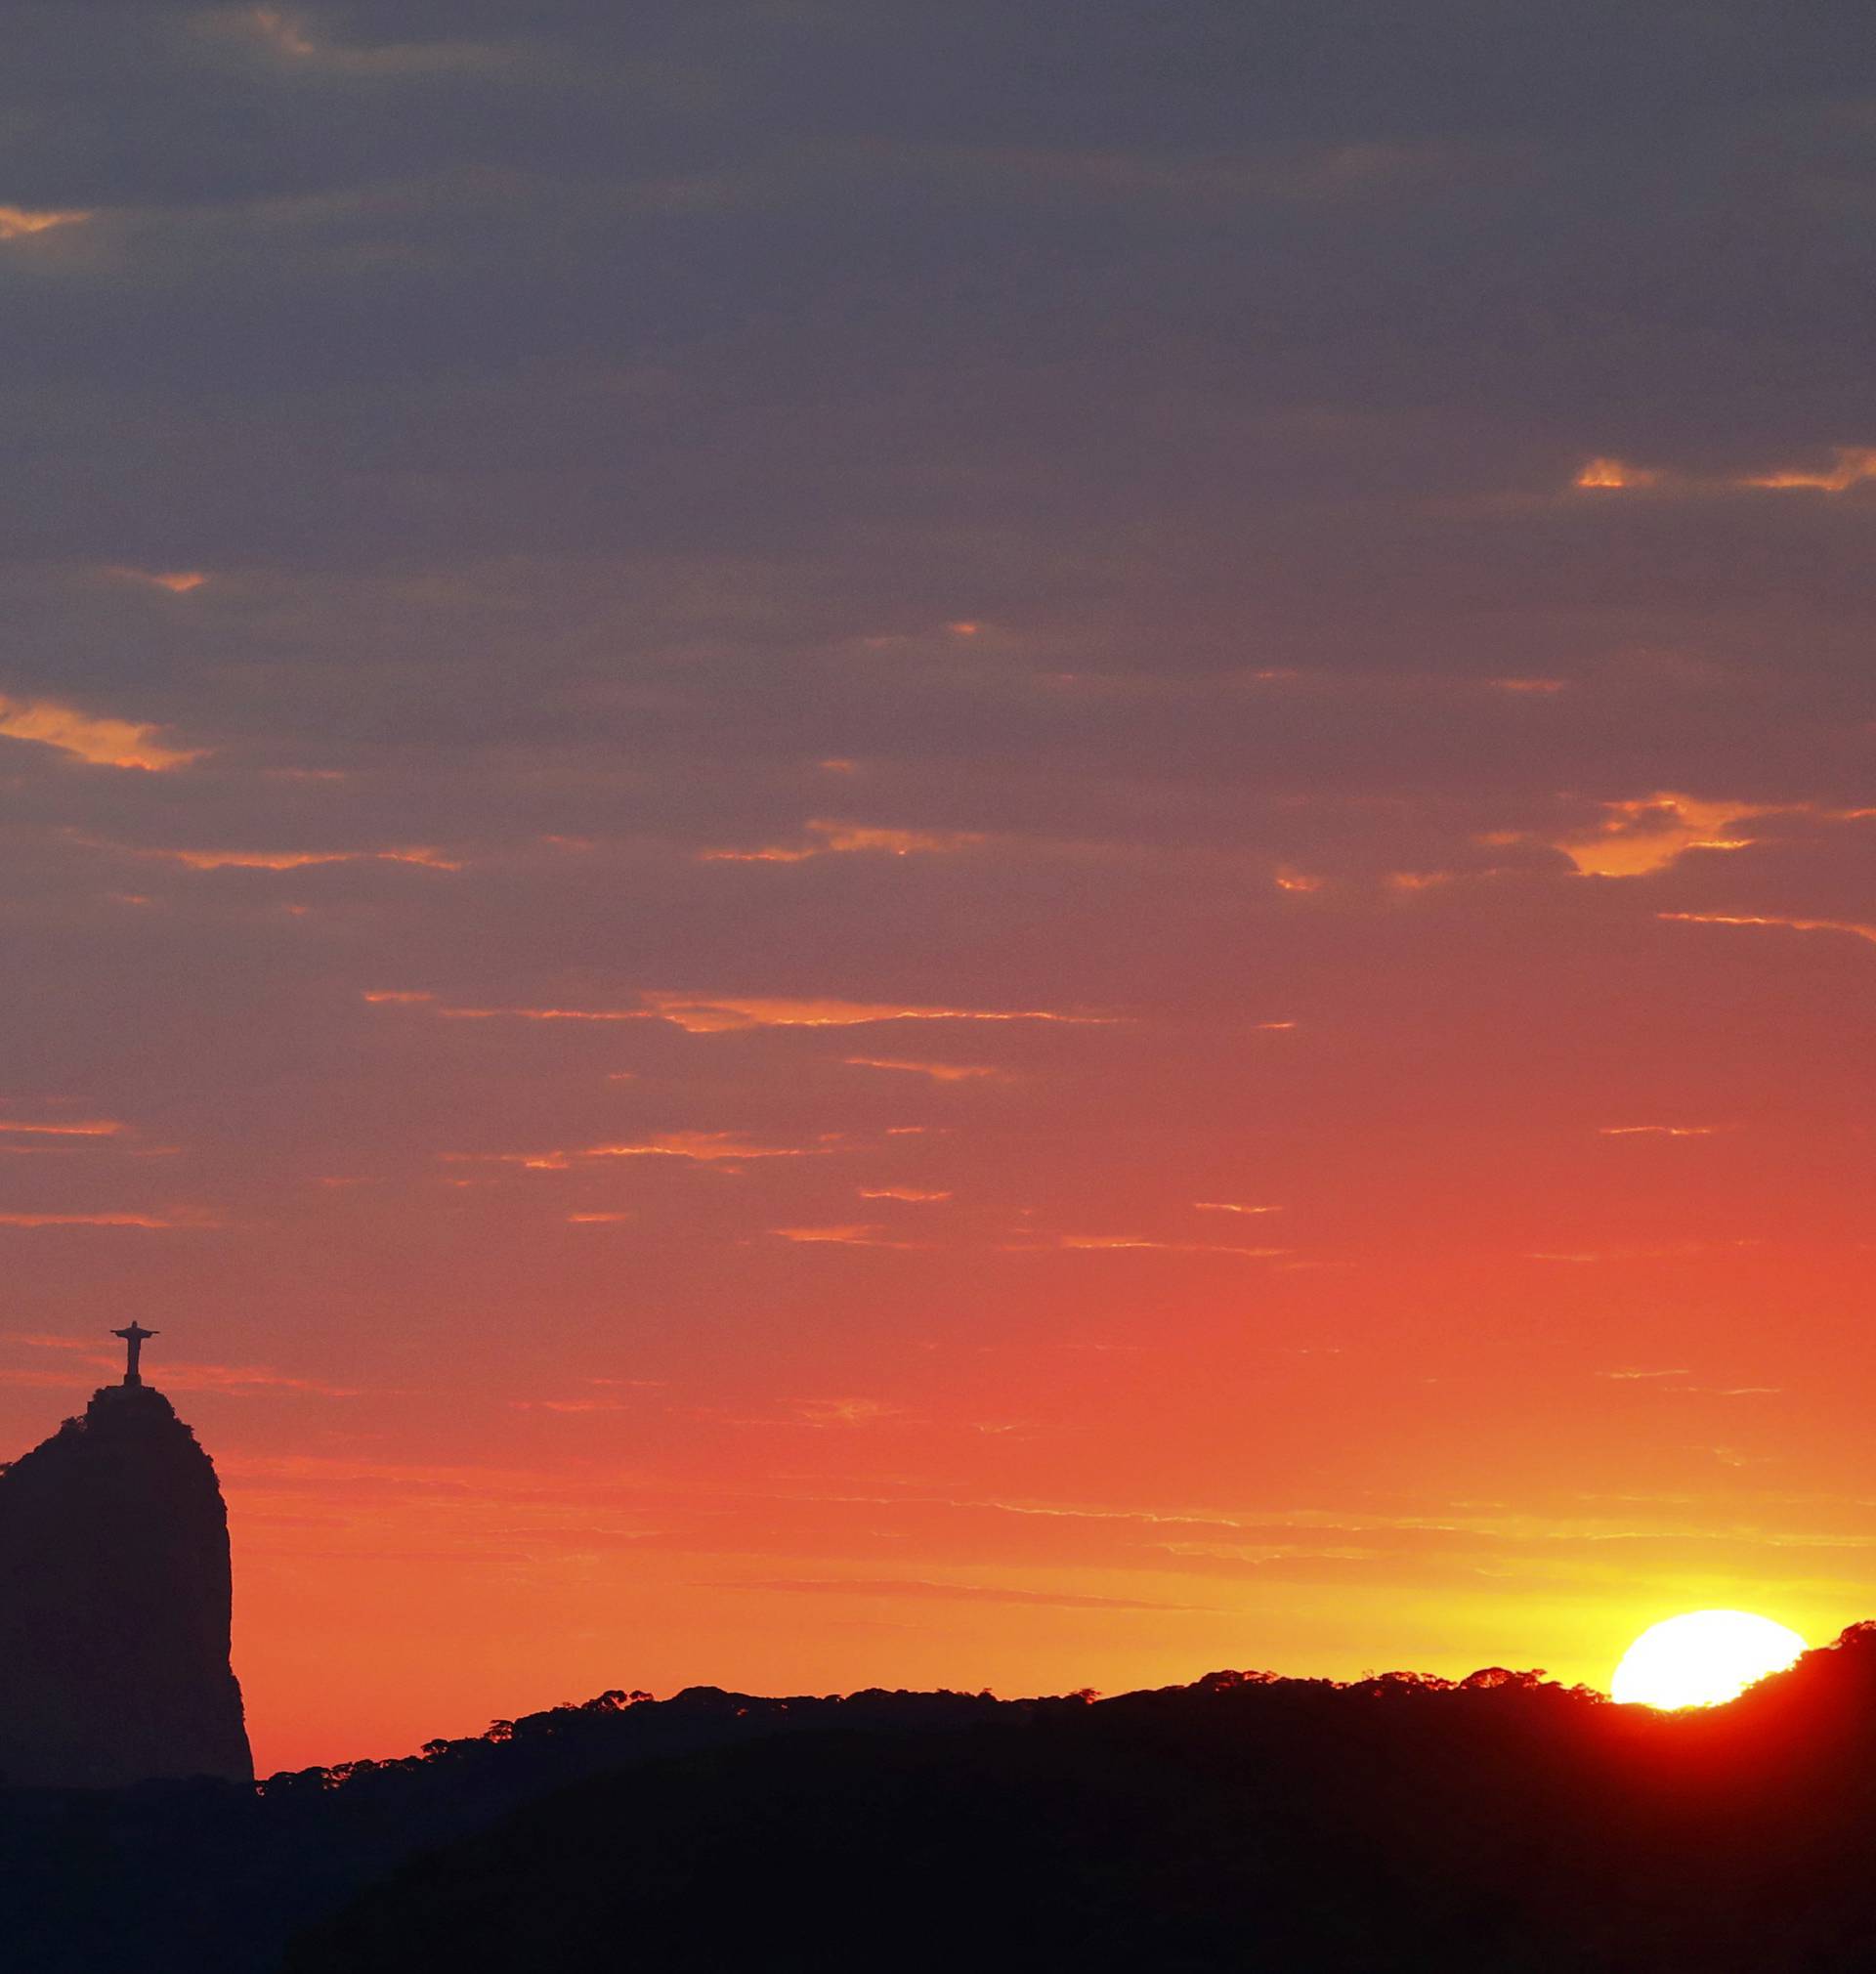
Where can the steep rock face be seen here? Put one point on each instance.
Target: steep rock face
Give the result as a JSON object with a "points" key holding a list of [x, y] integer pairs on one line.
{"points": [[115, 1602]]}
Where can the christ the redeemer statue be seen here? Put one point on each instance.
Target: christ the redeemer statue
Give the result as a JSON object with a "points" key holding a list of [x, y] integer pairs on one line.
{"points": [[134, 1337]]}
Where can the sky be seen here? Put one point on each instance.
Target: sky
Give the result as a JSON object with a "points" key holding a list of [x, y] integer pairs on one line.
{"points": [[858, 844]]}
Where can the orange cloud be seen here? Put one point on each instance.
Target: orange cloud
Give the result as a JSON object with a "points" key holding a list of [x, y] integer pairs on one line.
{"points": [[1605, 474], [180, 1219], [712, 1014], [706, 1147], [904, 1193], [177, 581], [95, 1128], [939, 1072], [841, 1236], [566, 1405], [528, 1013], [1854, 464], [1232, 1206], [1661, 1130], [1648, 833], [900, 843], [1850, 466], [98, 741], [297, 860], [1297, 880], [283, 32], [243, 1380], [847, 1411], [21, 223], [1850, 926], [1115, 1242], [975, 1593], [596, 1218], [844, 839], [700, 1014]]}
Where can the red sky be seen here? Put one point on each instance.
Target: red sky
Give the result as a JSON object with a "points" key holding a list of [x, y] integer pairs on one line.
{"points": [[847, 851]]}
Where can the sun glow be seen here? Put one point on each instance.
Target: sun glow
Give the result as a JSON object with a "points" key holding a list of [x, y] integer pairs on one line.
{"points": [[1702, 1659]]}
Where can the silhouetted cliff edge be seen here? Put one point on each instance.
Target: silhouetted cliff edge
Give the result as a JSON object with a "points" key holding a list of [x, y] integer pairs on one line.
{"points": [[115, 1602]]}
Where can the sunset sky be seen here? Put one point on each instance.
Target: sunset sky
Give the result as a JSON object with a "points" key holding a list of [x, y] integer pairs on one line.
{"points": [[852, 842]]}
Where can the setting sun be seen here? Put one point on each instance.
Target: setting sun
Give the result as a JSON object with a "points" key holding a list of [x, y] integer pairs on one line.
{"points": [[1702, 1659]]}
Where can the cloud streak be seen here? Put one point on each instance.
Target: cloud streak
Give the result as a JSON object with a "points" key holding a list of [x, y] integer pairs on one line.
{"points": [[99, 740], [22, 223], [177, 1219]]}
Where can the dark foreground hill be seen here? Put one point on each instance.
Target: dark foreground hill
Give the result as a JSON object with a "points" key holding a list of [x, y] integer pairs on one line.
{"points": [[1504, 1826]]}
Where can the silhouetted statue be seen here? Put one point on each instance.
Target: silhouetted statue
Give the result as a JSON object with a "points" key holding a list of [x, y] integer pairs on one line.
{"points": [[136, 1337], [115, 1601]]}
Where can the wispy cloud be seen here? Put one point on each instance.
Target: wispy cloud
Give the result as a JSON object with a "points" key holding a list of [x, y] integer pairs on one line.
{"points": [[1662, 1130], [939, 1072], [178, 1374], [706, 1147], [910, 1193], [847, 1411], [973, 1593], [242, 1381], [1849, 466], [1854, 928], [177, 581], [176, 1217], [705, 1014], [836, 839], [523, 1014], [1114, 1243], [101, 1126], [566, 1406], [18, 222], [847, 1236], [1232, 1206], [290, 36], [1605, 475], [1651, 832], [298, 860], [715, 1014], [97, 740]]}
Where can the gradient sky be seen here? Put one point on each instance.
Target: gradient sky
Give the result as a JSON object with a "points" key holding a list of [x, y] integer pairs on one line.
{"points": [[854, 843]]}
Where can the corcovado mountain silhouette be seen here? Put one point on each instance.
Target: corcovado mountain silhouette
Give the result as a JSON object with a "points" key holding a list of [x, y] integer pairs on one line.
{"points": [[115, 1594]]}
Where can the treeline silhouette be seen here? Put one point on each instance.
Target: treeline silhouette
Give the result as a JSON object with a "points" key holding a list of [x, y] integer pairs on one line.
{"points": [[1500, 1824]]}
